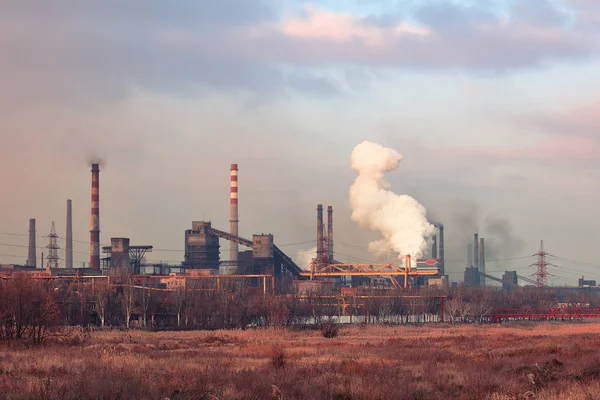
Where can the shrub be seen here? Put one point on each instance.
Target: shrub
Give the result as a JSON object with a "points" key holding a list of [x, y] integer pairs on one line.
{"points": [[329, 330], [277, 357]]}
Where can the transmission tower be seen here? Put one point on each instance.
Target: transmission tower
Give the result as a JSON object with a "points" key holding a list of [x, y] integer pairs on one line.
{"points": [[542, 272], [53, 248]]}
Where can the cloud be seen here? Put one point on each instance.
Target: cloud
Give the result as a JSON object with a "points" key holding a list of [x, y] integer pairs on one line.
{"points": [[319, 24], [559, 136], [96, 51]]}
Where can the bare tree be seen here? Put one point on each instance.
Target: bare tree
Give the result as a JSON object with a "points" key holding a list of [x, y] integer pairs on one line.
{"points": [[102, 295], [127, 301]]}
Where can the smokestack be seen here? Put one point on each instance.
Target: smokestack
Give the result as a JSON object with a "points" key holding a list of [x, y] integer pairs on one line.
{"points": [[440, 241], [476, 250], [95, 219], [233, 221], [330, 233], [32, 256], [69, 245], [469, 254], [482, 260], [434, 250], [321, 252]]}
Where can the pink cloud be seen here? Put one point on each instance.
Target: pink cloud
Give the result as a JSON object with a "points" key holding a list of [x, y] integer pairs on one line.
{"points": [[551, 148], [574, 136], [343, 27]]}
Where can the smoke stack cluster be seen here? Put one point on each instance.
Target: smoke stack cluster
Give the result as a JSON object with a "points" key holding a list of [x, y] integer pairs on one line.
{"points": [[234, 221], [69, 238], [321, 251], [330, 233], [32, 257], [95, 219]]}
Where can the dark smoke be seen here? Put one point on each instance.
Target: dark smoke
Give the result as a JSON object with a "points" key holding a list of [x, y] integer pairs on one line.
{"points": [[461, 220], [501, 240], [96, 159]]}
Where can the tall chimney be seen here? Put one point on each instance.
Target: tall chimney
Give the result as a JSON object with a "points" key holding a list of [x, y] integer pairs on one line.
{"points": [[469, 255], [321, 252], [95, 219], [233, 221], [476, 250], [440, 241], [69, 244], [330, 233], [482, 260], [32, 256]]}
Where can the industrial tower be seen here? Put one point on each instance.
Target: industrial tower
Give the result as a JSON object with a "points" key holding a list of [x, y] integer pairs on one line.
{"points": [[53, 248], [541, 264]]}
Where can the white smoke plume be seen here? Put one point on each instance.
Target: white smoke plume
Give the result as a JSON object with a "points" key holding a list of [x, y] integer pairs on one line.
{"points": [[400, 219], [305, 257]]}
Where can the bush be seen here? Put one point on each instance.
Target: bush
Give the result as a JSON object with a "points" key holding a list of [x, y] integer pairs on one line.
{"points": [[329, 330], [277, 357]]}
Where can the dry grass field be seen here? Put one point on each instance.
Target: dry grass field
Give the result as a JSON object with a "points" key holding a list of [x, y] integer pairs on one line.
{"points": [[543, 361]]}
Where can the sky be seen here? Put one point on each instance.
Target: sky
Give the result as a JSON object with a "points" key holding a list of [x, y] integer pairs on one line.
{"points": [[494, 104]]}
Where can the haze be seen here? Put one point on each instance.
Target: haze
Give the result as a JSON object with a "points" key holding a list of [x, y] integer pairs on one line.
{"points": [[495, 106]]}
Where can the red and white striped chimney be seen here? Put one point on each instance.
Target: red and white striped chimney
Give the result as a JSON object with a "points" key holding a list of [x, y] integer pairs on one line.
{"points": [[95, 220], [233, 222]]}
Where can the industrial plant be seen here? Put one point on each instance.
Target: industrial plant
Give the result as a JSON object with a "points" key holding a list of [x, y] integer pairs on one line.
{"points": [[257, 261]]}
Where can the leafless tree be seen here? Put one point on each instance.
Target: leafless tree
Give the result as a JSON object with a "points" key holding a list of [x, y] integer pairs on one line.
{"points": [[127, 301]]}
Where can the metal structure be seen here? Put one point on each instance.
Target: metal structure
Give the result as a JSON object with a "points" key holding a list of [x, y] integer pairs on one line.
{"points": [[330, 233], [541, 273], [120, 255], [53, 248], [95, 219], [234, 220], [69, 237], [374, 270], [280, 258], [32, 254]]}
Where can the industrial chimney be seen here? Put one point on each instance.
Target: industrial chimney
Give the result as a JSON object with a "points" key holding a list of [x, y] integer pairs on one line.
{"points": [[330, 233], [234, 221], [32, 256], [69, 244], [469, 255], [482, 260], [440, 241], [95, 219], [321, 251], [476, 250]]}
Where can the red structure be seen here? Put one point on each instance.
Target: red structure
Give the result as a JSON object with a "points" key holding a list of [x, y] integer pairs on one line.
{"points": [[234, 219], [95, 219], [536, 314]]}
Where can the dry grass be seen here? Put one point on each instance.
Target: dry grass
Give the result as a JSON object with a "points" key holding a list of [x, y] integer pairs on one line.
{"points": [[548, 361]]}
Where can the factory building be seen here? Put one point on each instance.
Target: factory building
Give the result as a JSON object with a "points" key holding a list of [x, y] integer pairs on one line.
{"points": [[201, 247]]}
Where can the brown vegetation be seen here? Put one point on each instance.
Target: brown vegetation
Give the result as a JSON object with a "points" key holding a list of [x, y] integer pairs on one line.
{"points": [[549, 361]]}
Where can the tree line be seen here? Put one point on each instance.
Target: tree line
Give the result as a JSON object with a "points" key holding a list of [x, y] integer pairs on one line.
{"points": [[32, 308]]}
